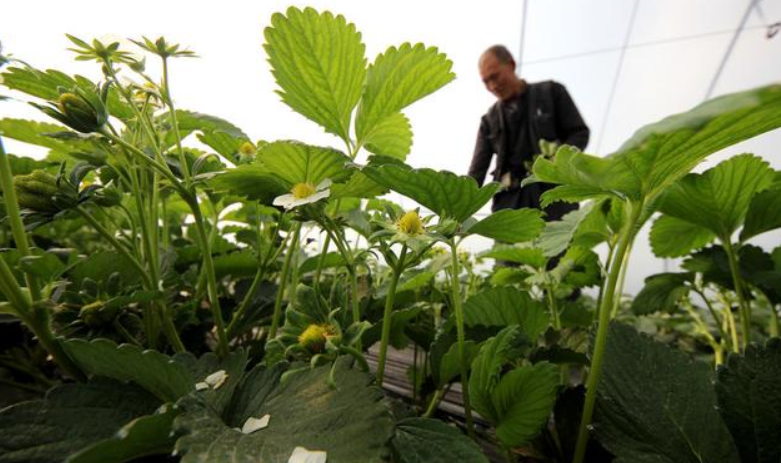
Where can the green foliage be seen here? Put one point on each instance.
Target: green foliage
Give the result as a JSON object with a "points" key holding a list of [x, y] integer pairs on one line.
{"points": [[674, 237], [505, 306], [522, 255], [662, 292], [444, 193], [349, 422], [253, 182], [70, 418], [764, 214], [293, 162], [318, 61], [450, 364], [750, 401], [558, 234], [510, 225], [422, 440], [656, 405]]}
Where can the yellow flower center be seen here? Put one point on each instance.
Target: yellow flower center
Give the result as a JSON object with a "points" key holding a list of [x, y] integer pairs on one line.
{"points": [[303, 190], [410, 223], [314, 336], [247, 149]]}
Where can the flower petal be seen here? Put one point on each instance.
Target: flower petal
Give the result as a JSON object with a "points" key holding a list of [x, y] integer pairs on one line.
{"points": [[255, 424], [302, 455], [216, 379]]}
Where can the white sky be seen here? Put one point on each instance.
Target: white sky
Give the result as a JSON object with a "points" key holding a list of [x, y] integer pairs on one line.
{"points": [[659, 76]]}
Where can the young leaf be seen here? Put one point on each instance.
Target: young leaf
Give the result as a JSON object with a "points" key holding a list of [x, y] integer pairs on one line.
{"points": [[70, 418], [294, 162], [450, 364], [318, 61], [718, 199], [674, 237], [396, 79], [443, 192], [750, 401], [510, 225], [524, 399], [423, 440], [557, 235], [505, 306], [654, 404]]}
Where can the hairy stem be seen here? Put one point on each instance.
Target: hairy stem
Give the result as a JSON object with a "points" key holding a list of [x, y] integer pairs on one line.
{"points": [[387, 313], [743, 305], [456, 295], [292, 249]]}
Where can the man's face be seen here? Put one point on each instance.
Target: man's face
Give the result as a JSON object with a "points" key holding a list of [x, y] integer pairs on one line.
{"points": [[499, 78]]}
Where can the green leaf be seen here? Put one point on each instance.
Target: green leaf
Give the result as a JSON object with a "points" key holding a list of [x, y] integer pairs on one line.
{"points": [[144, 436], [557, 235], [34, 132], [395, 80], [510, 225], [332, 259], [349, 422], [46, 266], [251, 182], [673, 237], [219, 134], [750, 401], [391, 137], [523, 255], [505, 306], [155, 372], [318, 61], [661, 153], [100, 266], [450, 365], [654, 404], [423, 440], [524, 399], [718, 199], [487, 369], [294, 162], [764, 214], [236, 264], [662, 292], [357, 186], [70, 418], [443, 192]]}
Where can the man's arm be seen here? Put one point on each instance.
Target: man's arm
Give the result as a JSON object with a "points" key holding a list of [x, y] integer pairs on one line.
{"points": [[481, 158], [569, 122]]}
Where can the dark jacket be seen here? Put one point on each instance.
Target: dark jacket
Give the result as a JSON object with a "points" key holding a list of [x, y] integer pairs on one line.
{"points": [[552, 116]]}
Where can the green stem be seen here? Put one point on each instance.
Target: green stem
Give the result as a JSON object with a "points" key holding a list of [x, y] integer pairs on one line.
{"points": [[625, 240], [621, 280], [292, 248], [743, 305], [386, 316], [245, 303], [350, 264], [703, 329], [730, 321], [175, 123], [14, 217], [321, 262], [439, 394], [456, 295], [717, 320], [553, 306]]}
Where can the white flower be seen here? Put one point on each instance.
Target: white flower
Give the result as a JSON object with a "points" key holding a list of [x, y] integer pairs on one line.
{"points": [[255, 424], [302, 455], [304, 193], [216, 379]]}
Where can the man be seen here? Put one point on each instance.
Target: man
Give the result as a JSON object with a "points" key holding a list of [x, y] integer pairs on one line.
{"points": [[513, 127]]}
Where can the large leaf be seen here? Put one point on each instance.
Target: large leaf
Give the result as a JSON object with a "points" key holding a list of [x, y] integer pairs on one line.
{"points": [[557, 235], [396, 79], [450, 364], [673, 237], [505, 306], [661, 293], [391, 137], [487, 369], [510, 225], [523, 255], [750, 401], [443, 192], [655, 405], [358, 186], [250, 181], [718, 199], [764, 214], [318, 62], [350, 422], [524, 399], [294, 162], [155, 372], [35, 133], [70, 418], [219, 134], [661, 153], [423, 440], [147, 435]]}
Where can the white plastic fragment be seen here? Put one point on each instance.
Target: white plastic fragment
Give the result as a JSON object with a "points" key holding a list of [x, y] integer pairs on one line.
{"points": [[255, 424], [216, 379], [302, 455], [201, 386]]}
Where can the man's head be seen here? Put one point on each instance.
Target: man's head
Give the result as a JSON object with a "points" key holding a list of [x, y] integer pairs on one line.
{"points": [[497, 69]]}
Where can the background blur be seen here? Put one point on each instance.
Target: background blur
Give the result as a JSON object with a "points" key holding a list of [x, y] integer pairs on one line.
{"points": [[626, 63]]}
